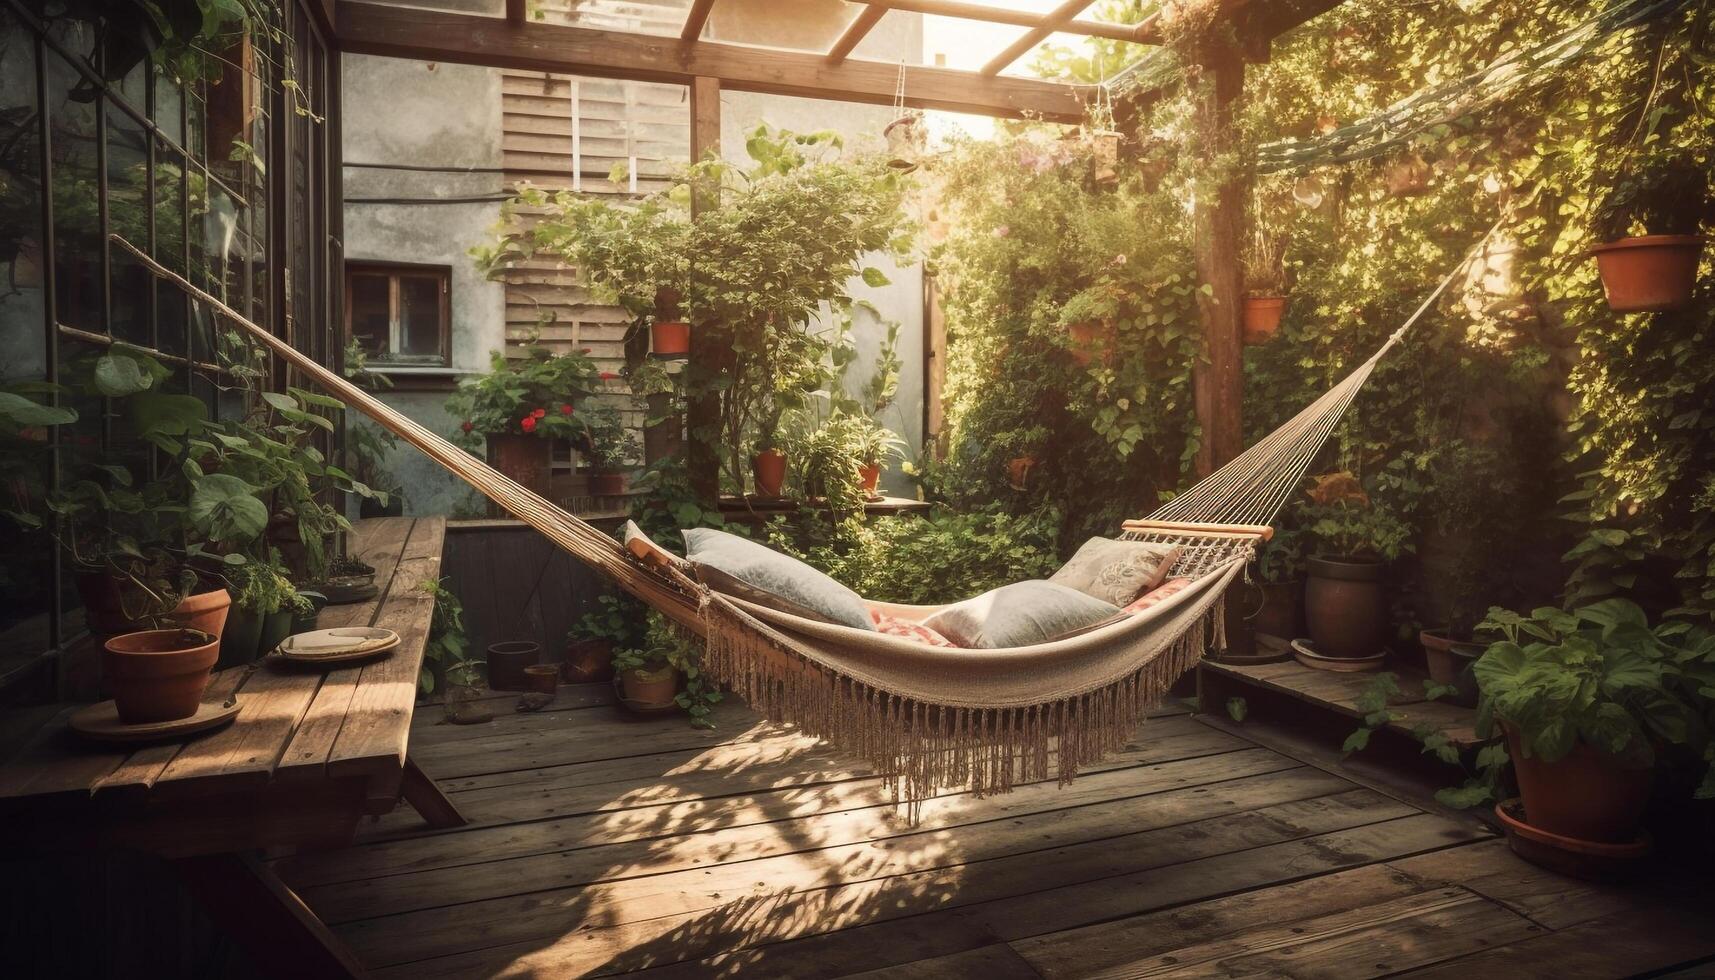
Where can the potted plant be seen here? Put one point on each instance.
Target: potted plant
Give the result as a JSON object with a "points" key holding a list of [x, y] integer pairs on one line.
{"points": [[648, 681], [669, 334], [617, 623], [1587, 700], [1345, 606], [1088, 320], [664, 425], [768, 458], [875, 445], [1657, 269], [1265, 286], [1280, 568], [264, 606], [158, 675], [520, 405], [609, 446]]}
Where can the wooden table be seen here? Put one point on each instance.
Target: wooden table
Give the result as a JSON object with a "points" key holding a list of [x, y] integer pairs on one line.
{"points": [[310, 753]]}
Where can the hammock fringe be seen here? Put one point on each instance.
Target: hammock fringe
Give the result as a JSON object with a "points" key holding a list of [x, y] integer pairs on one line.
{"points": [[921, 748]]}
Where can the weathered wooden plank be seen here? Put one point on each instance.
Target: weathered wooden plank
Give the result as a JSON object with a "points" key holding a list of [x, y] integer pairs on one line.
{"points": [[1492, 870], [137, 775], [1341, 691], [683, 916], [997, 962], [764, 831], [1647, 937], [244, 753], [56, 762]]}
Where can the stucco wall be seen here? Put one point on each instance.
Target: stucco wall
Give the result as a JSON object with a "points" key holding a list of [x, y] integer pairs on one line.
{"points": [[425, 115]]}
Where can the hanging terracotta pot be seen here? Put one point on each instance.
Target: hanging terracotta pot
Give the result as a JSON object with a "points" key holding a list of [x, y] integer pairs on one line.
{"points": [[1105, 151], [1089, 340], [523, 458], [1018, 471], [670, 340], [158, 675], [1586, 794], [1649, 274], [1262, 318], [869, 478], [768, 468], [1345, 607], [608, 484]]}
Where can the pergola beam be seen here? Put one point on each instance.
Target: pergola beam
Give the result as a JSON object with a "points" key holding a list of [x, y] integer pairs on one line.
{"points": [[430, 35], [695, 20], [1050, 22], [1143, 33], [855, 32]]}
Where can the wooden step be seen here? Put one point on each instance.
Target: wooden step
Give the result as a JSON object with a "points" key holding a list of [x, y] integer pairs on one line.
{"points": [[1338, 693]]}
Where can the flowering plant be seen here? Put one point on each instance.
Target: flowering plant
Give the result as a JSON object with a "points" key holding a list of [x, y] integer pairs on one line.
{"points": [[536, 394]]}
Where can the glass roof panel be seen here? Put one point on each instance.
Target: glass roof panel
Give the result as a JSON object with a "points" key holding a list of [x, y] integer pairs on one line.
{"points": [[659, 17]]}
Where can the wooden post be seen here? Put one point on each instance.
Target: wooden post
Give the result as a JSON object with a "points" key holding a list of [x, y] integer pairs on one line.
{"points": [[702, 454], [1218, 236]]}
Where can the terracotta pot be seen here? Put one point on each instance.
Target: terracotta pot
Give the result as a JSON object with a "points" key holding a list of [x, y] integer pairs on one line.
{"points": [[1018, 471], [664, 438], [506, 663], [769, 469], [523, 458], [1090, 339], [649, 689], [588, 661], [204, 611], [1592, 860], [105, 613], [869, 478], [1282, 612], [670, 340], [1345, 608], [608, 484], [1262, 317], [1586, 794], [542, 678], [1649, 274], [158, 675], [1450, 662]]}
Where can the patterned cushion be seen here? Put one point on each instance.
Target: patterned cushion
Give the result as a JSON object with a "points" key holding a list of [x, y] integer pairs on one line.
{"points": [[1020, 615], [1117, 571], [894, 626], [756, 573], [1156, 595]]}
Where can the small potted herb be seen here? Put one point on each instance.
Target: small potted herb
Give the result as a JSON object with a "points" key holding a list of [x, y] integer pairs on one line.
{"points": [[1587, 699], [610, 449], [1265, 286], [648, 681], [768, 458], [1345, 605], [264, 605], [1657, 269]]}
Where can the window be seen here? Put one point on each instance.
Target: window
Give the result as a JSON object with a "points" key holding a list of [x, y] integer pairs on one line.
{"points": [[399, 314]]}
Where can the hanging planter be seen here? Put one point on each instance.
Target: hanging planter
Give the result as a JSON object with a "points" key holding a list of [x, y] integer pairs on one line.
{"points": [[906, 140], [1105, 155], [1018, 471], [1649, 274], [670, 340], [1262, 318], [1089, 339]]}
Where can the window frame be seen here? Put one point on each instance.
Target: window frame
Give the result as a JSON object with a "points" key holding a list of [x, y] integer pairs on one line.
{"points": [[393, 271]]}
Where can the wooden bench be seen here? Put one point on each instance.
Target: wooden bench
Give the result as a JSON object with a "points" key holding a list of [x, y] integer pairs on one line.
{"points": [[310, 753]]}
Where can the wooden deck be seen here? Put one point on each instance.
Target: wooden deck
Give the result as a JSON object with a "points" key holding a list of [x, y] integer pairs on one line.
{"points": [[602, 845]]}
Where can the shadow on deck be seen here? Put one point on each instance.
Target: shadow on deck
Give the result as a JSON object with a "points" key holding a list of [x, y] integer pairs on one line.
{"points": [[600, 844]]}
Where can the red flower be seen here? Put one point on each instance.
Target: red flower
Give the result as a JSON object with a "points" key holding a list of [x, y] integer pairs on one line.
{"points": [[528, 422], [608, 376], [467, 426], [565, 409]]}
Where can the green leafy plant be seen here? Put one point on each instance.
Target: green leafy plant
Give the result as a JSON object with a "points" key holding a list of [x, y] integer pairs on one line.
{"points": [[606, 442], [1349, 524], [618, 619], [531, 391], [448, 647]]}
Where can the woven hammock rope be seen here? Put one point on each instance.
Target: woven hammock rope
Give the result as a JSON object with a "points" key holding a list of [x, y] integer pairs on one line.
{"points": [[930, 718]]}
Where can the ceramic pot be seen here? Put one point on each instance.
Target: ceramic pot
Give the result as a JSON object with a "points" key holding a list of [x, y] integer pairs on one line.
{"points": [[650, 689], [241, 638], [769, 469], [275, 628], [1586, 794], [1282, 612], [869, 478], [1345, 608], [1649, 274], [205, 612], [105, 613], [588, 661], [1450, 662], [608, 484], [523, 458], [158, 675], [670, 340], [506, 663], [542, 678], [307, 621], [1261, 317]]}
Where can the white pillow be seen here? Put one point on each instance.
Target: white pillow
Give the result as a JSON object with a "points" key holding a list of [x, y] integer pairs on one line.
{"points": [[1020, 615]]}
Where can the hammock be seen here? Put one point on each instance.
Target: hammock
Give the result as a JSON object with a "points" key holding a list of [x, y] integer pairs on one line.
{"points": [[930, 718]]}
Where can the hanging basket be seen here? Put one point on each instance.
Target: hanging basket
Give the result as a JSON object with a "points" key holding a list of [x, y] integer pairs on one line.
{"points": [[906, 140], [1649, 274], [1262, 318], [671, 340], [1089, 339]]}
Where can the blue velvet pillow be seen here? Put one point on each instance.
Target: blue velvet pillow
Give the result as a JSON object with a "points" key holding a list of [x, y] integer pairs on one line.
{"points": [[741, 567]]}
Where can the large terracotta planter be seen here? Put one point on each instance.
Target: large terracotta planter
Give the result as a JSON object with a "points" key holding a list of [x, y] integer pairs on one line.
{"points": [[650, 690], [604, 484], [105, 613], [1282, 612], [1345, 607], [1450, 662], [1261, 316], [1648, 274], [588, 661], [1586, 794], [869, 479], [769, 469], [523, 458], [158, 675], [670, 340]]}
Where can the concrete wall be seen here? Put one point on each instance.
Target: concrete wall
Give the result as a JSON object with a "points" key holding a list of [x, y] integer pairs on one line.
{"points": [[441, 116], [815, 24]]}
